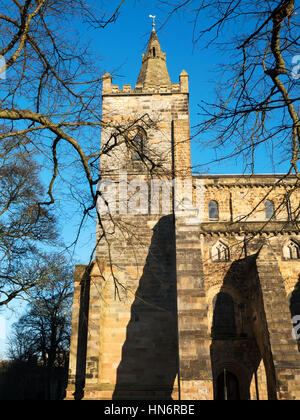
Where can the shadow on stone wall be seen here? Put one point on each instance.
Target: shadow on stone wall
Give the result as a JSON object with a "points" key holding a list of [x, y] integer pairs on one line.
{"points": [[82, 335], [149, 362], [235, 356]]}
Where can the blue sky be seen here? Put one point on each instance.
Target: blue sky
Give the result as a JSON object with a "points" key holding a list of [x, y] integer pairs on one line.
{"points": [[122, 44]]}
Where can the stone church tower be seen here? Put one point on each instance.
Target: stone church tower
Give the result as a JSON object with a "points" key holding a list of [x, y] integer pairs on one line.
{"points": [[192, 304]]}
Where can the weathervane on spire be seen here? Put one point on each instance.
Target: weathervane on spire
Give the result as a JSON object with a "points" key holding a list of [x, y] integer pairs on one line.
{"points": [[153, 24]]}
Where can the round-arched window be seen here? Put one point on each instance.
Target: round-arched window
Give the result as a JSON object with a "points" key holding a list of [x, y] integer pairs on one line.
{"points": [[269, 209], [213, 210]]}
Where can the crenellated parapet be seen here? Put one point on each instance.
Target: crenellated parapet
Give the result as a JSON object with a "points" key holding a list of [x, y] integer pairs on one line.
{"points": [[109, 89]]}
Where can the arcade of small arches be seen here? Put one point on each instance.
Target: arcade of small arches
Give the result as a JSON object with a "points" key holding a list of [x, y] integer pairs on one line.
{"points": [[221, 251]]}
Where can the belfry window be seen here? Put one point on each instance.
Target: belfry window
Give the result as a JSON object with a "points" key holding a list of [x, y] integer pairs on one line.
{"points": [[213, 210], [154, 52], [269, 209], [138, 144]]}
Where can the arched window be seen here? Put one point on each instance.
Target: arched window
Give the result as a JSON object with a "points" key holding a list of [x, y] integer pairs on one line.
{"points": [[291, 251], [269, 209], [154, 52], [223, 316], [220, 252], [138, 144], [213, 210], [294, 253]]}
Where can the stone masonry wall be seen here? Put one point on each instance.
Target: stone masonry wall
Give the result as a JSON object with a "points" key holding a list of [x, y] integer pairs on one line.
{"points": [[160, 314], [133, 348], [242, 198]]}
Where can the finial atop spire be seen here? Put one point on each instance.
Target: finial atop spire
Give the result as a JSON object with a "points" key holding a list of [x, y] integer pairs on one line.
{"points": [[153, 24]]}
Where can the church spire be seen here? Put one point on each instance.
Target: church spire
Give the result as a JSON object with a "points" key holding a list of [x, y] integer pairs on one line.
{"points": [[154, 72]]}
